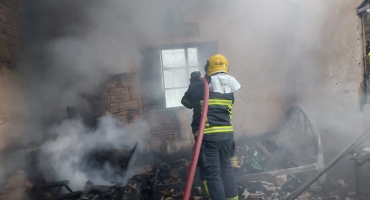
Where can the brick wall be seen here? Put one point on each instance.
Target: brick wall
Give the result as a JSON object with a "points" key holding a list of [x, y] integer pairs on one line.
{"points": [[164, 124], [12, 105], [124, 93], [9, 32], [124, 97]]}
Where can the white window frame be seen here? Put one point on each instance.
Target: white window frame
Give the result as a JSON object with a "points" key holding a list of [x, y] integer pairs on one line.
{"points": [[186, 67]]}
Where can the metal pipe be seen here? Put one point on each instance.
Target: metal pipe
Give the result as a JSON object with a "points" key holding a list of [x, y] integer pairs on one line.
{"points": [[357, 180], [353, 145], [198, 144]]}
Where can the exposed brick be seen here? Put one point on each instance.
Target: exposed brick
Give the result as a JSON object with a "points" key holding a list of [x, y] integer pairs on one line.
{"points": [[123, 112], [125, 92], [111, 85], [136, 117], [119, 98], [118, 89], [121, 118], [9, 32], [127, 81], [129, 105], [114, 108]]}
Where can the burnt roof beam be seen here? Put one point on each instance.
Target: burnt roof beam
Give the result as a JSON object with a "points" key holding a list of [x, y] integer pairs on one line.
{"points": [[363, 9], [364, 6]]}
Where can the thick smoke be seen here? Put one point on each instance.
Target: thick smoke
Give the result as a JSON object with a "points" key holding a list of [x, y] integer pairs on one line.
{"points": [[63, 158], [279, 50], [69, 49], [329, 70]]}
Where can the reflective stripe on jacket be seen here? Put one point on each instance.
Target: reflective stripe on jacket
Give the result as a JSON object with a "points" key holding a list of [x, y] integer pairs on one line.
{"points": [[219, 115]]}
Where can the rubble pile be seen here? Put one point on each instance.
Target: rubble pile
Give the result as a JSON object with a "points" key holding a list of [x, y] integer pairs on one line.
{"points": [[119, 158], [144, 186], [250, 160], [166, 180], [265, 155], [261, 190], [138, 187]]}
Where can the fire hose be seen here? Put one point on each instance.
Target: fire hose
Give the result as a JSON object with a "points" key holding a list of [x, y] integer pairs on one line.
{"points": [[198, 143]]}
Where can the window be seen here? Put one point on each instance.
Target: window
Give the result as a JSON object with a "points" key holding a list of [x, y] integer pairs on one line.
{"points": [[177, 64]]}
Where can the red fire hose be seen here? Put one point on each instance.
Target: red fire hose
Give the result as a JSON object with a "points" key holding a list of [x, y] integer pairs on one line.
{"points": [[198, 143]]}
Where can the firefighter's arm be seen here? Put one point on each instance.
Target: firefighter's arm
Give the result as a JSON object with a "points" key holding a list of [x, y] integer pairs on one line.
{"points": [[186, 103], [187, 99]]}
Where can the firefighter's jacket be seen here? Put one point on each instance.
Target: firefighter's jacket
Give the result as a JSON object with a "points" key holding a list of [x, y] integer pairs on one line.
{"points": [[218, 123]]}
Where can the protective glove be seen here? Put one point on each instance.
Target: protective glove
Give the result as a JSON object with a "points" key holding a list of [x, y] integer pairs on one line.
{"points": [[194, 77]]}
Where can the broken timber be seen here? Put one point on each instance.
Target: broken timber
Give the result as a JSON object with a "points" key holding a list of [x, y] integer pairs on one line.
{"points": [[247, 177], [44, 191]]}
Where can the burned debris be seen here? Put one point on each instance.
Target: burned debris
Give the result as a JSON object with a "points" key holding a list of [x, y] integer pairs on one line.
{"points": [[146, 185], [66, 51], [258, 160], [265, 169], [138, 187], [260, 175], [163, 181], [259, 178], [118, 159], [54, 191]]}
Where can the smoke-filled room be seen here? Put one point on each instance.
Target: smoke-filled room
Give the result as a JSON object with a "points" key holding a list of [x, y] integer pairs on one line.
{"points": [[184, 100]]}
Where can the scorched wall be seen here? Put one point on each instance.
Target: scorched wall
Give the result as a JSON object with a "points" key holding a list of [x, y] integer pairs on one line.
{"points": [[282, 52], [10, 99]]}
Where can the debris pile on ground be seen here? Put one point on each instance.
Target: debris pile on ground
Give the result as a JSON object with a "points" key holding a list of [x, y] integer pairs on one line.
{"points": [[258, 190], [270, 190], [250, 160], [138, 187], [265, 155], [172, 172], [117, 158], [143, 186], [165, 182]]}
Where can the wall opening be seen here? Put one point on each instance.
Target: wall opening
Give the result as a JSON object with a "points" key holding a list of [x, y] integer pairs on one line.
{"points": [[177, 64]]}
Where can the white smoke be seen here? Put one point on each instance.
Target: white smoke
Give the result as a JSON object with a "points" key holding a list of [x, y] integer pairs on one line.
{"points": [[70, 45], [61, 158]]}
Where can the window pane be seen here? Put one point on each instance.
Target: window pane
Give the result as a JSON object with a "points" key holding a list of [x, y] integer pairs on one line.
{"points": [[173, 97], [193, 56], [173, 58], [174, 78]]}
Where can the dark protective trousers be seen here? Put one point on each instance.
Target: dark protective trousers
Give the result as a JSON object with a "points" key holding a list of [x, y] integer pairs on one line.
{"points": [[216, 171]]}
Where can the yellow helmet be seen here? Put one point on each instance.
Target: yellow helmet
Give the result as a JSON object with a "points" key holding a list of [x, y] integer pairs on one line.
{"points": [[217, 63]]}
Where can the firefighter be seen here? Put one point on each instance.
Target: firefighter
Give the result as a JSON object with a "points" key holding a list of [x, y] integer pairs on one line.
{"points": [[218, 145]]}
